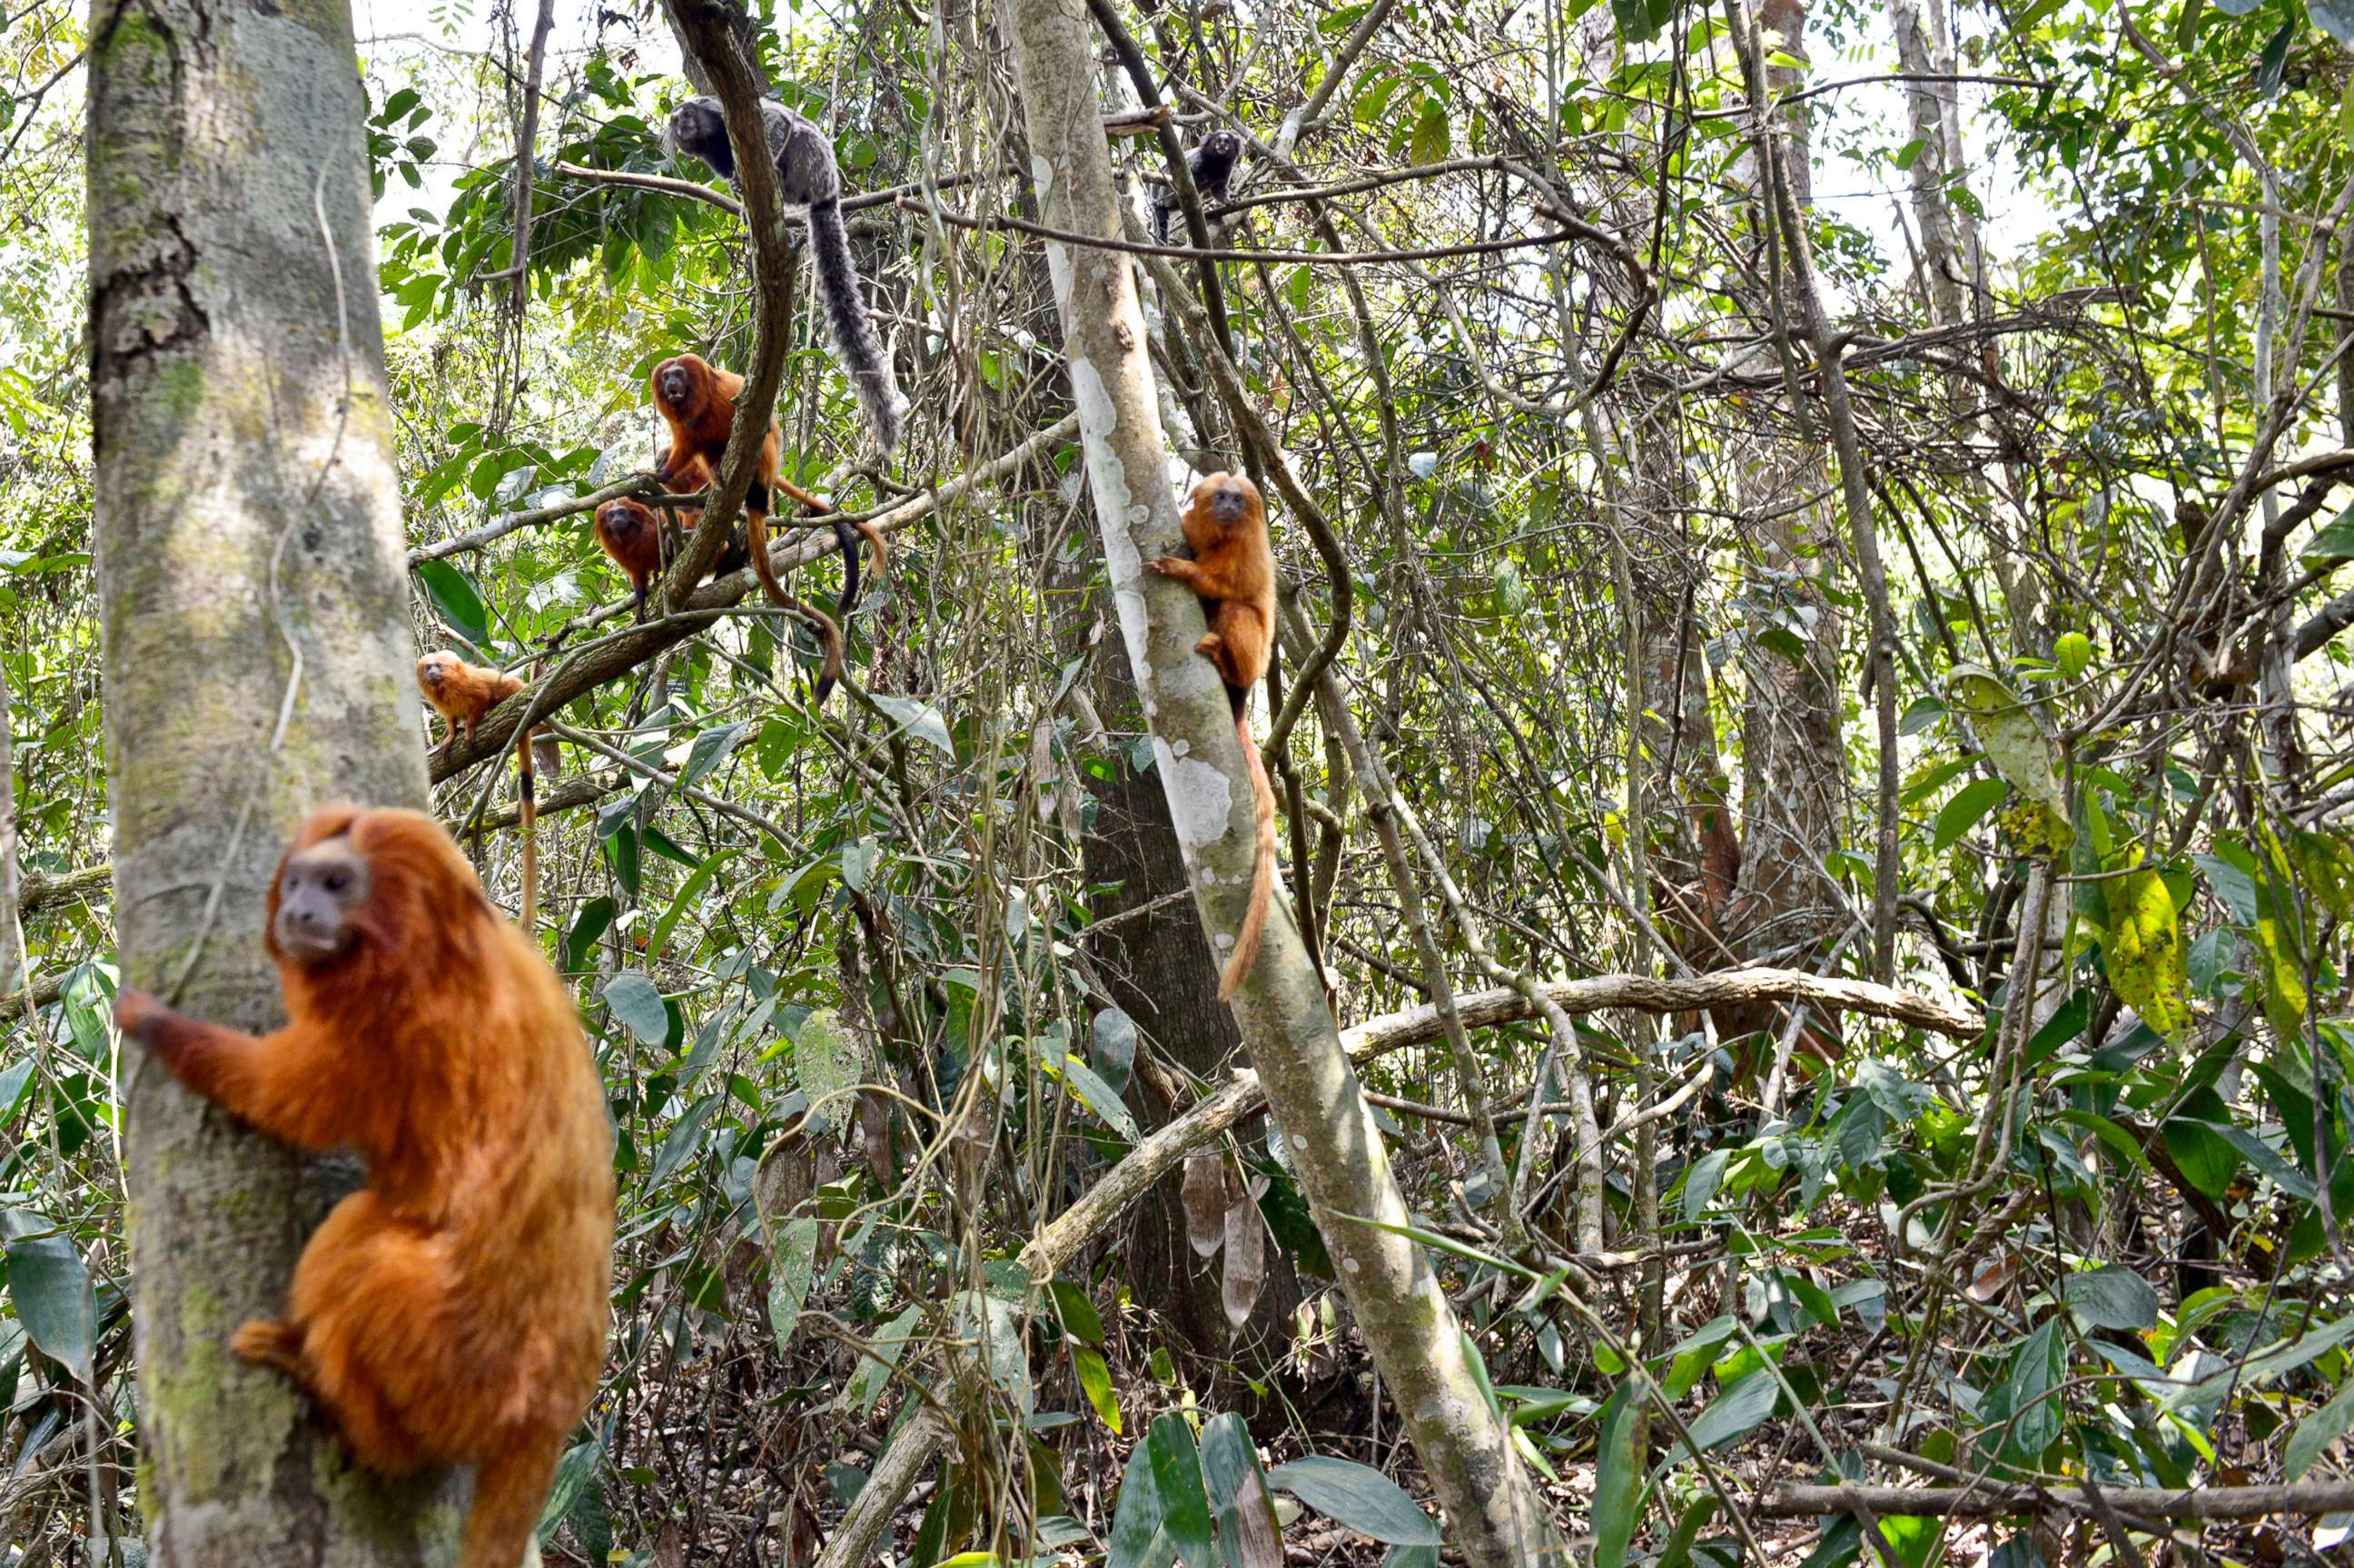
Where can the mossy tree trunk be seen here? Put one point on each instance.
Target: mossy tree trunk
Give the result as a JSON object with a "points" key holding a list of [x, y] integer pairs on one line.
{"points": [[258, 657], [1494, 1515]]}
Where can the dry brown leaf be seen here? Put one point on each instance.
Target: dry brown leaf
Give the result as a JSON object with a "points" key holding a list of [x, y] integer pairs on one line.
{"points": [[1205, 1201], [1245, 1261]]}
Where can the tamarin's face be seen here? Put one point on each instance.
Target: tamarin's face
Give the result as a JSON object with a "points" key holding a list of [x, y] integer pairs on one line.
{"points": [[320, 891], [1229, 499], [677, 388], [436, 671]]}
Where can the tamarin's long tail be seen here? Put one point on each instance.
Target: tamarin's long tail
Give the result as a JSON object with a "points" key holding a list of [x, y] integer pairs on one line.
{"points": [[856, 345], [509, 1490], [756, 536], [1238, 964]]}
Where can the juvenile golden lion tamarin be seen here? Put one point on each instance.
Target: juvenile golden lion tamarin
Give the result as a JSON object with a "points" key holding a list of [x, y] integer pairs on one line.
{"points": [[453, 1312], [1233, 569], [462, 693]]}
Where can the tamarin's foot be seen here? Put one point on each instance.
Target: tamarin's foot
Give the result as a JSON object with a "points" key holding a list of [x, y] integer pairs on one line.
{"points": [[270, 1342]]}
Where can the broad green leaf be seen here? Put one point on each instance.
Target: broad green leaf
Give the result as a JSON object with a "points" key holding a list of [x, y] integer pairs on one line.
{"points": [[1618, 1475], [873, 1369], [1431, 135], [1111, 1047], [826, 1065], [1099, 1097], [637, 1004], [2146, 961], [790, 1268], [1248, 1536], [2316, 1432], [2036, 1372], [587, 926], [573, 1474], [1079, 1318], [2015, 744], [683, 1139], [1177, 1477], [920, 720], [456, 601], [1365, 1500], [711, 748], [50, 1286], [2111, 1297], [2207, 1160], [1970, 803], [1095, 1380], [1737, 1409]]}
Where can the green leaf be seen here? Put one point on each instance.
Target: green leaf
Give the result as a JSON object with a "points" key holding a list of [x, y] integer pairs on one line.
{"points": [[1095, 1380], [710, 749], [1970, 803], [1737, 1409], [920, 720], [2034, 1408], [1365, 1500], [685, 1136], [791, 1265], [1099, 1097], [2234, 884], [587, 926], [827, 1063], [1248, 1535], [1177, 1477], [1618, 1475], [456, 601], [1431, 134], [50, 1286], [2146, 961], [638, 1003], [689, 892], [573, 1474], [2207, 1162], [2317, 1431], [2016, 746], [2271, 63], [2111, 1297], [1079, 1318]]}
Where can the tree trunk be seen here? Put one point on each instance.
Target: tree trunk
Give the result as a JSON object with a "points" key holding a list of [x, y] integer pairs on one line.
{"points": [[1159, 969], [1494, 1515], [255, 612]]}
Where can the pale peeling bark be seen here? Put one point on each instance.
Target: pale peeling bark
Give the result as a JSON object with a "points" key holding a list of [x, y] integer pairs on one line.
{"points": [[243, 439], [1492, 1513]]}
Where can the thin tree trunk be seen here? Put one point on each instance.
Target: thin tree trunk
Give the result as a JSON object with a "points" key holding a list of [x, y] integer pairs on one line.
{"points": [[1494, 1515], [255, 612]]}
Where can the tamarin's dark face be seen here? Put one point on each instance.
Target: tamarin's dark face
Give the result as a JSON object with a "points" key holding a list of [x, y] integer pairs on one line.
{"points": [[1230, 500], [435, 669], [677, 388], [320, 891], [698, 128]]}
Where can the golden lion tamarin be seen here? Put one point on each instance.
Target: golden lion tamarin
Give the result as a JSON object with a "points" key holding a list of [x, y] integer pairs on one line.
{"points": [[462, 693], [1233, 569], [453, 1312]]}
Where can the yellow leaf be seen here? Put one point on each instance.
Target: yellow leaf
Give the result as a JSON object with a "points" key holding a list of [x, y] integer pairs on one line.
{"points": [[2147, 962]]}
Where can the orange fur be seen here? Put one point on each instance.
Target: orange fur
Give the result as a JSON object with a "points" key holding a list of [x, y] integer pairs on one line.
{"points": [[462, 693], [454, 1311], [1233, 570], [631, 533], [698, 401]]}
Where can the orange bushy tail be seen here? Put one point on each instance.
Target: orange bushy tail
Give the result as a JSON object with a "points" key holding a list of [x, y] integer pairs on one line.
{"points": [[1247, 940]]}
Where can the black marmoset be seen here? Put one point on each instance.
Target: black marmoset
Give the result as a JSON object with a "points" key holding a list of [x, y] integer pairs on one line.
{"points": [[807, 177], [1211, 164]]}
